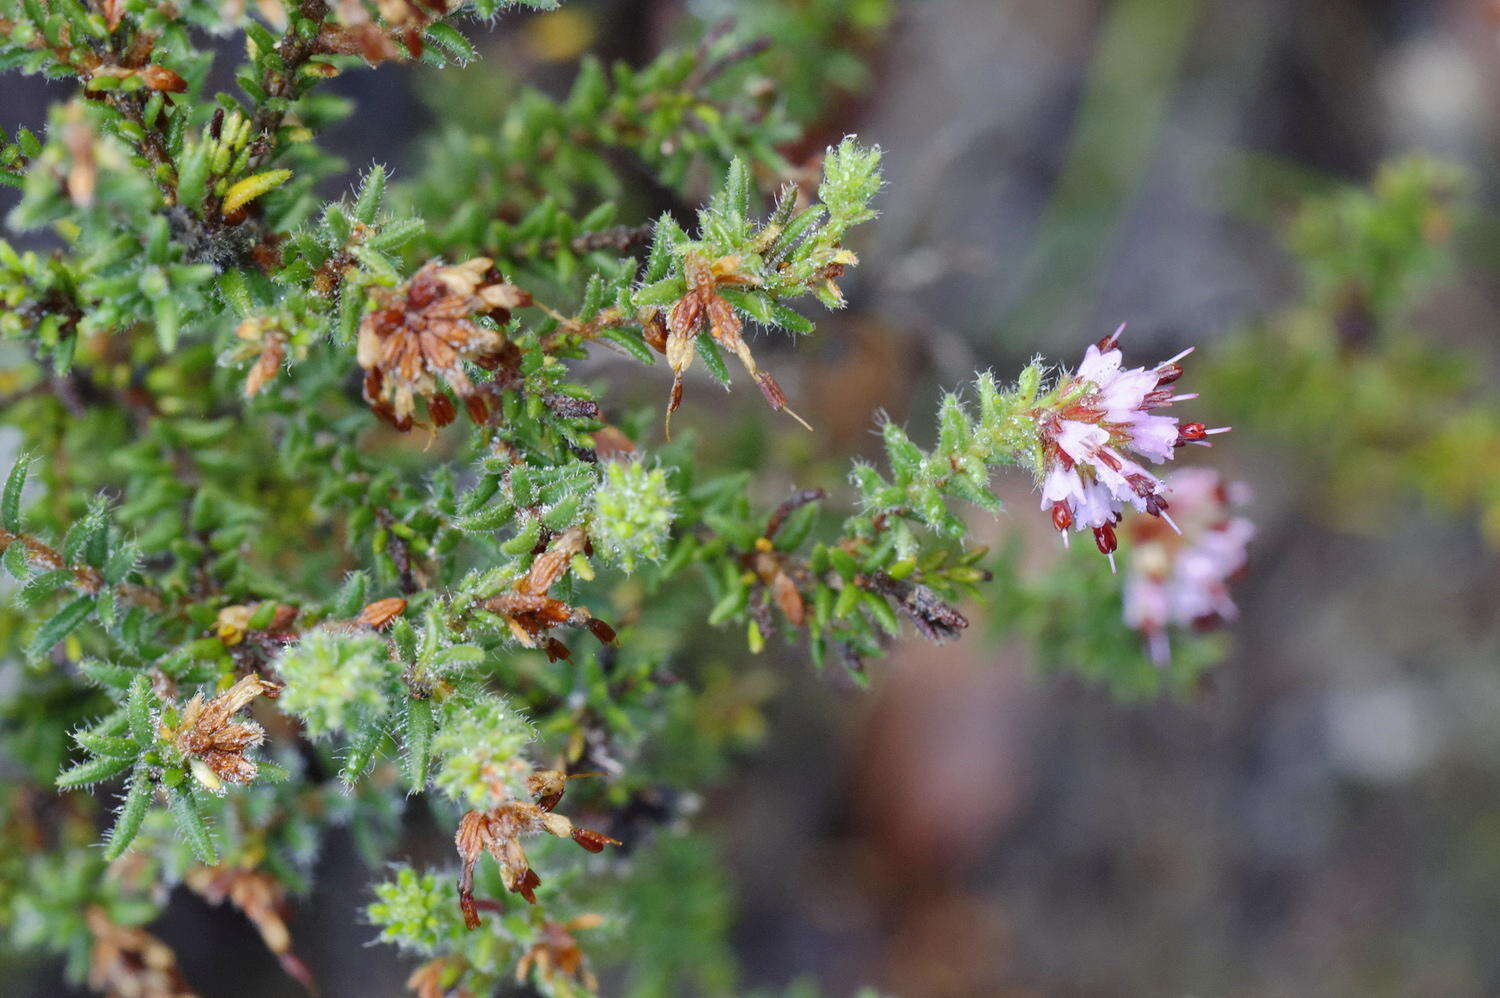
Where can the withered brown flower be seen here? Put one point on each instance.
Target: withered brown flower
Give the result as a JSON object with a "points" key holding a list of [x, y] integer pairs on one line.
{"points": [[355, 32], [214, 744], [127, 962], [422, 333], [498, 831], [430, 980], [557, 956], [531, 613], [775, 572], [233, 622], [262, 899], [700, 306]]}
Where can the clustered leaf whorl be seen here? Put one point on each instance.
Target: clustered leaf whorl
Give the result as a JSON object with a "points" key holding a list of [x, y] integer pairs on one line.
{"points": [[481, 744], [415, 910], [634, 508], [337, 682]]}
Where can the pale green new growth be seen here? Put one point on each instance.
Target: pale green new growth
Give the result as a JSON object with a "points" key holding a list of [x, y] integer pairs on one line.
{"points": [[633, 513], [481, 751], [337, 682]]}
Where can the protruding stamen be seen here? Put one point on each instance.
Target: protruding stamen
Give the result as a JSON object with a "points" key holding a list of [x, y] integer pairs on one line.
{"points": [[1190, 433], [1108, 343], [1143, 486], [805, 425]]}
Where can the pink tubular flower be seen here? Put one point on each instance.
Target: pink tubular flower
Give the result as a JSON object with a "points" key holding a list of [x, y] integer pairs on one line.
{"points": [[1181, 578], [1103, 412]]}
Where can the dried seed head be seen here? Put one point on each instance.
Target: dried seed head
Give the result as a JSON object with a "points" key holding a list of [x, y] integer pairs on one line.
{"points": [[215, 745], [422, 334], [498, 831], [127, 961]]}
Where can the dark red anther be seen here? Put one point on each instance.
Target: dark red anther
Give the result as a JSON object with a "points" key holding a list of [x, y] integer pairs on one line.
{"points": [[1168, 373], [387, 320], [600, 630], [527, 885], [1155, 504], [591, 840], [1062, 516], [440, 407], [1141, 484], [1188, 432], [423, 291], [1104, 537], [478, 409]]}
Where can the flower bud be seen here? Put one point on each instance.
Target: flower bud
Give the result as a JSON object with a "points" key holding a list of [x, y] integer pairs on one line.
{"points": [[481, 744], [337, 682], [633, 513]]}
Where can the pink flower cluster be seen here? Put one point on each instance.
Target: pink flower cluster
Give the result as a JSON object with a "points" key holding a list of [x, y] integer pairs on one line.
{"points": [[1103, 412], [1181, 577]]}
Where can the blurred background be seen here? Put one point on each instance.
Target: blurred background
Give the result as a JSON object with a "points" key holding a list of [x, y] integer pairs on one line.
{"points": [[1322, 815]]}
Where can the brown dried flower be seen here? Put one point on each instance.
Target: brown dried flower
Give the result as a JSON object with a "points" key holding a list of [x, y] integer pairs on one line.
{"points": [[267, 363], [498, 831], [127, 962], [355, 32], [531, 613], [430, 980], [263, 900], [556, 955], [421, 334], [703, 305], [214, 744], [265, 344]]}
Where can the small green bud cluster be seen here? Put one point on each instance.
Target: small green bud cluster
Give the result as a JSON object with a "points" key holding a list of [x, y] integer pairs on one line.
{"points": [[481, 743], [416, 911], [336, 682], [633, 513]]}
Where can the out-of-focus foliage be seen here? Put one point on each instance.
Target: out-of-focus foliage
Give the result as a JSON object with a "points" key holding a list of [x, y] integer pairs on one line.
{"points": [[1345, 376]]}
